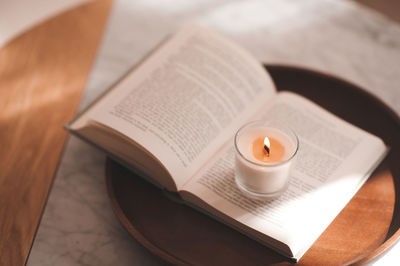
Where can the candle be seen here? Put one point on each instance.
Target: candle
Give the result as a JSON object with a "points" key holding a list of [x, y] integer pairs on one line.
{"points": [[265, 152]]}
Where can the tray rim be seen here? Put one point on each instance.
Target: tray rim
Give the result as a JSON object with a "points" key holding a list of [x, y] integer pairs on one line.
{"points": [[369, 257], [359, 89], [130, 228]]}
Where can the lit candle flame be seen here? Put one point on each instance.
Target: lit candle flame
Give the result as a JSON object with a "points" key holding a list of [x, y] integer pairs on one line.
{"points": [[267, 146]]}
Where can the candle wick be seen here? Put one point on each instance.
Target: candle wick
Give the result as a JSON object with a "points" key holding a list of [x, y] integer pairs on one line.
{"points": [[266, 150]]}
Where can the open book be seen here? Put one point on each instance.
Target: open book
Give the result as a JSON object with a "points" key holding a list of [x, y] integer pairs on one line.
{"points": [[173, 119]]}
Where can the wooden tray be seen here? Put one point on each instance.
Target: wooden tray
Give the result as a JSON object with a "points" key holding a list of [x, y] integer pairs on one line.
{"points": [[364, 230]]}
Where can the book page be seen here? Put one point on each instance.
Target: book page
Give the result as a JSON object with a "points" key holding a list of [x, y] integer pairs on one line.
{"points": [[333, 161], [186, 99]]}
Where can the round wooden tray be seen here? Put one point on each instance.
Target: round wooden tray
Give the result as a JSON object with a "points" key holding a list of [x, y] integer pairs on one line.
{"points": [[366, 227]]}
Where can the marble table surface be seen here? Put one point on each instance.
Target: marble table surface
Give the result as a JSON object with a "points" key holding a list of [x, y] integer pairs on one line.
{"points": [[335, 36]]}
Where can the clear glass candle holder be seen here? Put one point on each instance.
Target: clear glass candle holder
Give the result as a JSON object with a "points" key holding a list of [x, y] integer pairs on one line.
{"points": [[264, 179]]}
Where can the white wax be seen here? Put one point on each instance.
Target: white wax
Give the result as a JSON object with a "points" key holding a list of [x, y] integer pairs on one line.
{"points": [[268, 178]]}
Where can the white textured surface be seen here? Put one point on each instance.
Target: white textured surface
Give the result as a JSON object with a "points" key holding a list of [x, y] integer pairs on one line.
{"points": [[339, 37]]}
